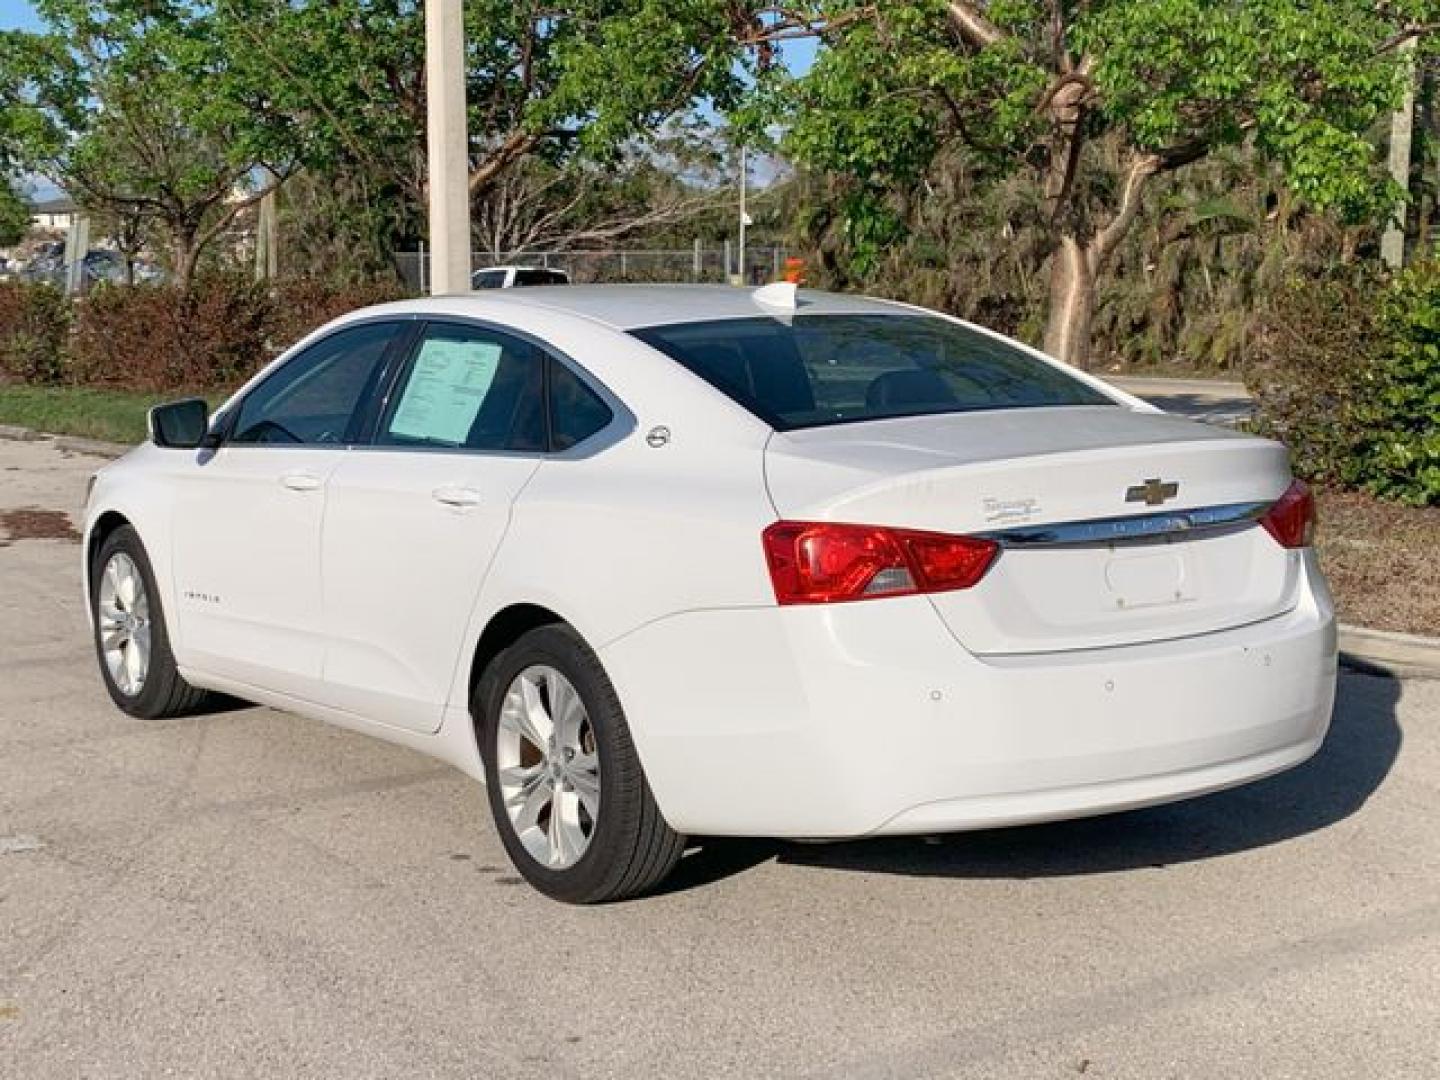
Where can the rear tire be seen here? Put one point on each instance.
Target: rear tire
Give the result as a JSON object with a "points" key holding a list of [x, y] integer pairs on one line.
{"points": [[132, 644], [568, 794]]}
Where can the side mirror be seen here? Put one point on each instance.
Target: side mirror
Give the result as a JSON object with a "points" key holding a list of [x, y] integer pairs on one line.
{"points": [[180, 425]]}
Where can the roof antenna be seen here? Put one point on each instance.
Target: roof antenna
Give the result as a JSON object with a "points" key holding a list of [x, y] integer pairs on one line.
{"points": [[781, 295]]}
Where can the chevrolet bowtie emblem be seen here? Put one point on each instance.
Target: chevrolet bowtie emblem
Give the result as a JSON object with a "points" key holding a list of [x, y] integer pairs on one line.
{"points": [[1152, 492]]}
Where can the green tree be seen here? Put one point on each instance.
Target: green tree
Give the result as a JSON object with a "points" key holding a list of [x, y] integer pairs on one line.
{"points": [[14, 215], [122, 104], [1096, 98], [342, 83]]}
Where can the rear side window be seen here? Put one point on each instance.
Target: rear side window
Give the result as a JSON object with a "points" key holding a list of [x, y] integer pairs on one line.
{"points": [[316, 396], [576, 411], [488, 279], [470, 389], [835, 369]]}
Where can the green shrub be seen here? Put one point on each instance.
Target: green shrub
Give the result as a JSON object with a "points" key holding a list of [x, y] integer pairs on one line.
{"points": [[304, 304], [1346, 370], [34, 322], [1313, 340], [162, 338], [1399, 455]]}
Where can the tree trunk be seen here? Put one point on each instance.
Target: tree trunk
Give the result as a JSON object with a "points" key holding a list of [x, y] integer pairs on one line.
{"points": [[1072, 303], [1078, 263], [184, 255]]}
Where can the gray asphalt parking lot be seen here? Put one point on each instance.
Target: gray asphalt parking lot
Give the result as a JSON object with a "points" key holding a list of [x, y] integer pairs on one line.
{"points": [[250, 894], [1209, 400]]}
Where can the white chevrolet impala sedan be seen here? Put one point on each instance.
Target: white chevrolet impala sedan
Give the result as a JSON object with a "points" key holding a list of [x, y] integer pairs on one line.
{"points": [[658, 562]]}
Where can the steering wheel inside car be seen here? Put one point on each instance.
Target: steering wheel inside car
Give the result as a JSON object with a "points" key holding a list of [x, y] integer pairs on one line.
{"points": [[268, 431]]}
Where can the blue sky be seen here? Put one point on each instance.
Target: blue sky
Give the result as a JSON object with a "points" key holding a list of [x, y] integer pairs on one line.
{"points": [[17, 15]]}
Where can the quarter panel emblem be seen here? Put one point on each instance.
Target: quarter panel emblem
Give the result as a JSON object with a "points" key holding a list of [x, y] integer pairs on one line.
{"points": [[1152, 492]]}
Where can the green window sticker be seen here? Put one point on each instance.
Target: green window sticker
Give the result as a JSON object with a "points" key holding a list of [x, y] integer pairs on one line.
{"points": [[446, 388]]}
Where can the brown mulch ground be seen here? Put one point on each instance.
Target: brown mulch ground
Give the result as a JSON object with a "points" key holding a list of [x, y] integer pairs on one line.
{"points": [[29, 523], [1382, 561]]}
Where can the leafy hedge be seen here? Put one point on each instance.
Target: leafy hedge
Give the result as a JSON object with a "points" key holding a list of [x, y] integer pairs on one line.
{"points": [[34, 326], [1348, 374], [299, 305], [1399, 457], [156, 337], [160, 338]]}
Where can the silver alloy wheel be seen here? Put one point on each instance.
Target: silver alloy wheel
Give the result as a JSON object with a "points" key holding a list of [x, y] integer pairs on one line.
{"points": [[122, 611], [548, 767]]}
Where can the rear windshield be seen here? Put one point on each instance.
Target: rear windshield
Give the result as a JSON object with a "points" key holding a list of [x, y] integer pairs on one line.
{"points": [[836, 369]]}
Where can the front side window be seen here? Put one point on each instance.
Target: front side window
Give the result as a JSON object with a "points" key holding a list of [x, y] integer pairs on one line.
{"points": [[835, 369], [317, 396], [469, 388], [488, 279]]}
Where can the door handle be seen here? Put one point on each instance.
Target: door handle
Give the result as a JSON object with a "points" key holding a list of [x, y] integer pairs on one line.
{"points": [[301, 481], [453, 495]]}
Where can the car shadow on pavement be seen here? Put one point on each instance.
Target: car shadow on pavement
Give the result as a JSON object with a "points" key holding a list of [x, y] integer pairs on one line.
{"points": [[1358, 754], [216, 703]]}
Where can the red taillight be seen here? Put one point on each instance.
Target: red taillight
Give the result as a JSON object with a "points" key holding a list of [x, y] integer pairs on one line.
{"points": [[1291, 521], [820, 562]]}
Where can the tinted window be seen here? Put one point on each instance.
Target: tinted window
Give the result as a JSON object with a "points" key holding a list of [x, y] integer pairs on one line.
{"points": [[532, 276], [469, 388], [830, 369], [315, 397], [576, 411], [488, 279]]}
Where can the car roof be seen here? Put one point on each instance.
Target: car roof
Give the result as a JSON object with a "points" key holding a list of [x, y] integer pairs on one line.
{"points": [[630, 307]]}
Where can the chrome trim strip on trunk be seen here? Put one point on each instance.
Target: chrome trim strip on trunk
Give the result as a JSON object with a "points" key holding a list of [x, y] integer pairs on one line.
{"points": [[1122, 529]]}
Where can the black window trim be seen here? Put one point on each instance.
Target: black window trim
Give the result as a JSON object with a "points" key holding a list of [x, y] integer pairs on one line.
{"points": [[411, 329], [622, 420], [362, 420]]}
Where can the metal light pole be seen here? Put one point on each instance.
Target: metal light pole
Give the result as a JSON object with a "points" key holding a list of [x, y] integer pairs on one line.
{"points": [[449, 147]]}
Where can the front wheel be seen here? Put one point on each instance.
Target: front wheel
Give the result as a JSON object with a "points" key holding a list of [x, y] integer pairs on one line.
{"points": [[569, 797], [131, 639]]}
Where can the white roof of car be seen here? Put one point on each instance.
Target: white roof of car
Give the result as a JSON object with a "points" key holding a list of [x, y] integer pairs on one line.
{"points": [[629, 307]]}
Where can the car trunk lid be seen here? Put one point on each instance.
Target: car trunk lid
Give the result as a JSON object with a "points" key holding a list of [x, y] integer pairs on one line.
{"points": [[1169, 547]]}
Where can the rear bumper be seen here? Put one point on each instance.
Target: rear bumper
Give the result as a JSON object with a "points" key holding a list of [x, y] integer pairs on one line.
{"points": [[870, 718]]}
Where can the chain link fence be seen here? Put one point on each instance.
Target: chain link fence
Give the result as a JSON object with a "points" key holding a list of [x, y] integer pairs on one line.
{"points": [[701, 263]]}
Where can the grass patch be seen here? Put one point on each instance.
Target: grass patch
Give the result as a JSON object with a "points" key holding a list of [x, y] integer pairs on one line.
{"points": [[111, 415]]}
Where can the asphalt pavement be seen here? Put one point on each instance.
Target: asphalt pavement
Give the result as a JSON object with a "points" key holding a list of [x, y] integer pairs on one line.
{"points": [[251, 894], [1210, 400]]}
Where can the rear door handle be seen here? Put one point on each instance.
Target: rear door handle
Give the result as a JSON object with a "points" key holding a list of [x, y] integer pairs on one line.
{"points": [[301, 481], [456, 496]]}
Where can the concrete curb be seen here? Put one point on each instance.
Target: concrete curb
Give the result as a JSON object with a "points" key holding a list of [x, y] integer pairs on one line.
{"points": [[94, 447], [1374, 652], [19, 434], [1217, 388], [1384, 652], [72, 444]]}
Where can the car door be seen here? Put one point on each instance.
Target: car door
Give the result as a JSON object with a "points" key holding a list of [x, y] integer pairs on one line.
{"points": [[247, 534], [414, 519]]}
